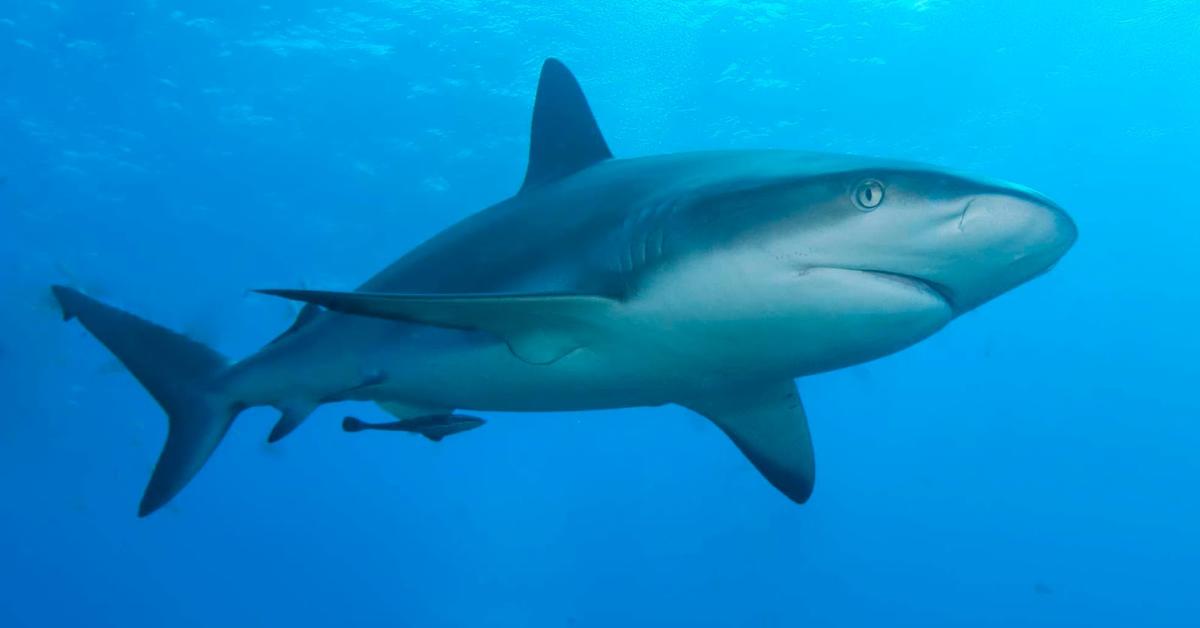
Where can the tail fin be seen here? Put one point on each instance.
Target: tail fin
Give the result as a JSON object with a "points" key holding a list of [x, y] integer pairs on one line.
{"points": [[178, 372]]}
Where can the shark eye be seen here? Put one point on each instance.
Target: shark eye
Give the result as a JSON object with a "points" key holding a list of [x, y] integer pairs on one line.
{"points": [[868, 194]]}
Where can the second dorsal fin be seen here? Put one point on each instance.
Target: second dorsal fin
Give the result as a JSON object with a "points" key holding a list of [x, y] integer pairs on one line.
{"points": [[564, 137]]}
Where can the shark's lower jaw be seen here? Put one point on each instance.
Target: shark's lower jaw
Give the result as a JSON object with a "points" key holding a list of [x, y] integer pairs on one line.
{"points": [[943, 292], [843, 316]]}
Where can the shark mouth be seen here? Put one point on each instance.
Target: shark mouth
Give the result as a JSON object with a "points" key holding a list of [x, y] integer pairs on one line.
{"points": [[943, 292]]}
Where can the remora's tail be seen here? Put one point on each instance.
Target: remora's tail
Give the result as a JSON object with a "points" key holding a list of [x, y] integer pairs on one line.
{"points": [[178, 372]]}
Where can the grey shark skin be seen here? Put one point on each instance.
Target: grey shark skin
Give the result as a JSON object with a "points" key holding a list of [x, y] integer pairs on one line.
{"points": [[710, 280]]}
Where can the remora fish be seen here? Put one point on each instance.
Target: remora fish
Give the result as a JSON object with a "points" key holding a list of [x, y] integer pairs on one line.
{"points": [[435, 427], [708, 279]]}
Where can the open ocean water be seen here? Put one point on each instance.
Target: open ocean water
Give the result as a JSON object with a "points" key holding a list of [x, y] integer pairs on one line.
{"points": [[1033, 464]]}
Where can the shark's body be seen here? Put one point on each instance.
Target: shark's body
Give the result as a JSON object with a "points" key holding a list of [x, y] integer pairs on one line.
{"points": [[711, 280], [618, 230]]}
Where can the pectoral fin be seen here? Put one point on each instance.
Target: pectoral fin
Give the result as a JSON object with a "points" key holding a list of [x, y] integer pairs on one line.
{"points": [[538, 328], [767, 422]]}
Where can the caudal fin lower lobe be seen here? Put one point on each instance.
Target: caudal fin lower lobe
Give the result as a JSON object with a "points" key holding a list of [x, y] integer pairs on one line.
{"points": [[178, 372]]}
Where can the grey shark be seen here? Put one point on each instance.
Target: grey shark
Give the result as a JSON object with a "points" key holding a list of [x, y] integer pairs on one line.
{"points": [[711, 280]]}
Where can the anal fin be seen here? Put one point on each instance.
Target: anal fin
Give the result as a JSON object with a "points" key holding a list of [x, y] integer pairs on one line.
{"points": [[294, 412], [292, 415], [767, 423]]}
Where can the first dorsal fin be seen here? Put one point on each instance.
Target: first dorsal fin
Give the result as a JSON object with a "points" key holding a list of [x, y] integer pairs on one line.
{"points": [[564, 137]]}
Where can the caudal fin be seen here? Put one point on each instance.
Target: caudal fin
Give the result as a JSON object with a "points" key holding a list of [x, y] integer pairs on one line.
{"points": [[178, 372]]}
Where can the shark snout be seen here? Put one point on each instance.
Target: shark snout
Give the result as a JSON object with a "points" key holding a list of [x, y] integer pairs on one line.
{"points": [[1020, 225], [1008, 237]]}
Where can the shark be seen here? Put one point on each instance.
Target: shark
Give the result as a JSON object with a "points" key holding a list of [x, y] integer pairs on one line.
{"points": [[712, 280]]}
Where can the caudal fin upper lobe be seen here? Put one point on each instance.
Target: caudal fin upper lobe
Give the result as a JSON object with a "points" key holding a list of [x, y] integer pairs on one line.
{"points": [[180, 373]]}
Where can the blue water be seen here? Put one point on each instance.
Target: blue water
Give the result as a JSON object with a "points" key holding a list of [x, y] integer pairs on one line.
{"points": [[1034, 464]]}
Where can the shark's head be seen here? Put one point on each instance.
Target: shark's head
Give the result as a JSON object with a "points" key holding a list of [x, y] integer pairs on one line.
{"points": [[853, 258], [963, 239]]}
